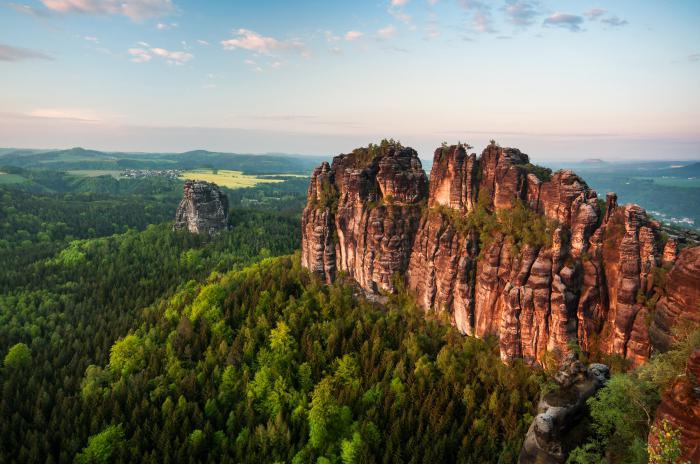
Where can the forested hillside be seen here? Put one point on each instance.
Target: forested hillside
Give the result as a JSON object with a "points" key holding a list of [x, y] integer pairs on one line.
{"points": [[245, 364], [81, 158], [69, 288], [124, 341]]}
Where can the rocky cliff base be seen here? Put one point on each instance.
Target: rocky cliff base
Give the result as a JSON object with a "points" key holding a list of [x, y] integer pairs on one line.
{"points": [[560, 410]]}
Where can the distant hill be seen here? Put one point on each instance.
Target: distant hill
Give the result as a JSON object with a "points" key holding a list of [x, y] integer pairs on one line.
{"points": [[593, 161], [80, 159]]}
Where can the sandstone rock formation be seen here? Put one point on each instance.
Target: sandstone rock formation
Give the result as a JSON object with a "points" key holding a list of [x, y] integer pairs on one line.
{"points": [[681, 293], [203, 209], [559, 411], [362, 215], [680, 406], [503, 247]]}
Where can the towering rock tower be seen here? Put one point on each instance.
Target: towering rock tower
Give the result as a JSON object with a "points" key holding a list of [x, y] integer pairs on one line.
{"points": [[203, 209]]}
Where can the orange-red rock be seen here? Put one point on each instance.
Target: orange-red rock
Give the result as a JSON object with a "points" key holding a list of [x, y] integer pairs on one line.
{"points": [[372, 215], [680, 406]]}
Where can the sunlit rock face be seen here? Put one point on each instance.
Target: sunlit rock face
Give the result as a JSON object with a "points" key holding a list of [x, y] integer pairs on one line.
{"points": [[594, 275], [363, 214], [203, 209], [679, 304], [680, 407]]}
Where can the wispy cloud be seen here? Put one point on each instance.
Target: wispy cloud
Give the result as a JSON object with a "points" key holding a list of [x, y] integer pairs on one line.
{"points": [[482, 20], [400, 15], [331, 37], [170, 57], [28, 10], [64, 113], [254, 42], [614, 21], [522, 13], [253, 65], [139, 55], [92, 39], [258, 66], [204, 43], [164, 26], [594, 13], [143, 55], [136, 10], [11, 53], [565, 20], [694, 57], [353, 35], [386, 33], [431, 32], [396, 10]]}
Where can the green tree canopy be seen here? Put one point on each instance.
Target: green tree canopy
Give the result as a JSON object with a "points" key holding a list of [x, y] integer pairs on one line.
{"points": [[18, 357], [101, 447]]}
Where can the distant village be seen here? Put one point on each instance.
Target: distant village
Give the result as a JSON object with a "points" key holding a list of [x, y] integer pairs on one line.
{"points": [[141, 173]]}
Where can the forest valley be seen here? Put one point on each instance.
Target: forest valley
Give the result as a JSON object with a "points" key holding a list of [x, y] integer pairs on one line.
{"points": [[125, 341]]}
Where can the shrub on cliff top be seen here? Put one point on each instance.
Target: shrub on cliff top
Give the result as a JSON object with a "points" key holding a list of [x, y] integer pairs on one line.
{"points": [[363, 156], [542, 173], [520, 224]]}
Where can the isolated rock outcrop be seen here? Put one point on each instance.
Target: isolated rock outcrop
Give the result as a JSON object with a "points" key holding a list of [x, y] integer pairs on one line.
{"points": [[504, 248], [680, 406], [560, 411], [203, 209]]}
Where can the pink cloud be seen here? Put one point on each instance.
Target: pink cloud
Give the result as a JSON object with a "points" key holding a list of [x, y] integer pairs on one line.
{"points": [[134, 9], [254, 42], [353, 35], [386, 32]]}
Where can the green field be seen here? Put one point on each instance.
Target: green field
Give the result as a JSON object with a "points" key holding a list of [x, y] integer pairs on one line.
{"points": [[6, 179], [282, 176], [95, 172], [228, 179]]}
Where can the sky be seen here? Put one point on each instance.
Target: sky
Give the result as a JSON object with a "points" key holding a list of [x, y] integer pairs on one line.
{"points": [[561, 80]]}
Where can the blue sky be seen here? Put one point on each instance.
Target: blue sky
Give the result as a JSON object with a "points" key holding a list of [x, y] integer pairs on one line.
{"points": [[559, 79]]}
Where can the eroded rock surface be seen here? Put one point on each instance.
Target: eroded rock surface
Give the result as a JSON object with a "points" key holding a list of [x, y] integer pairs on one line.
{"points": [[594, 273], [680, 406], [363, 214], [559, 411], [203, 209]]}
